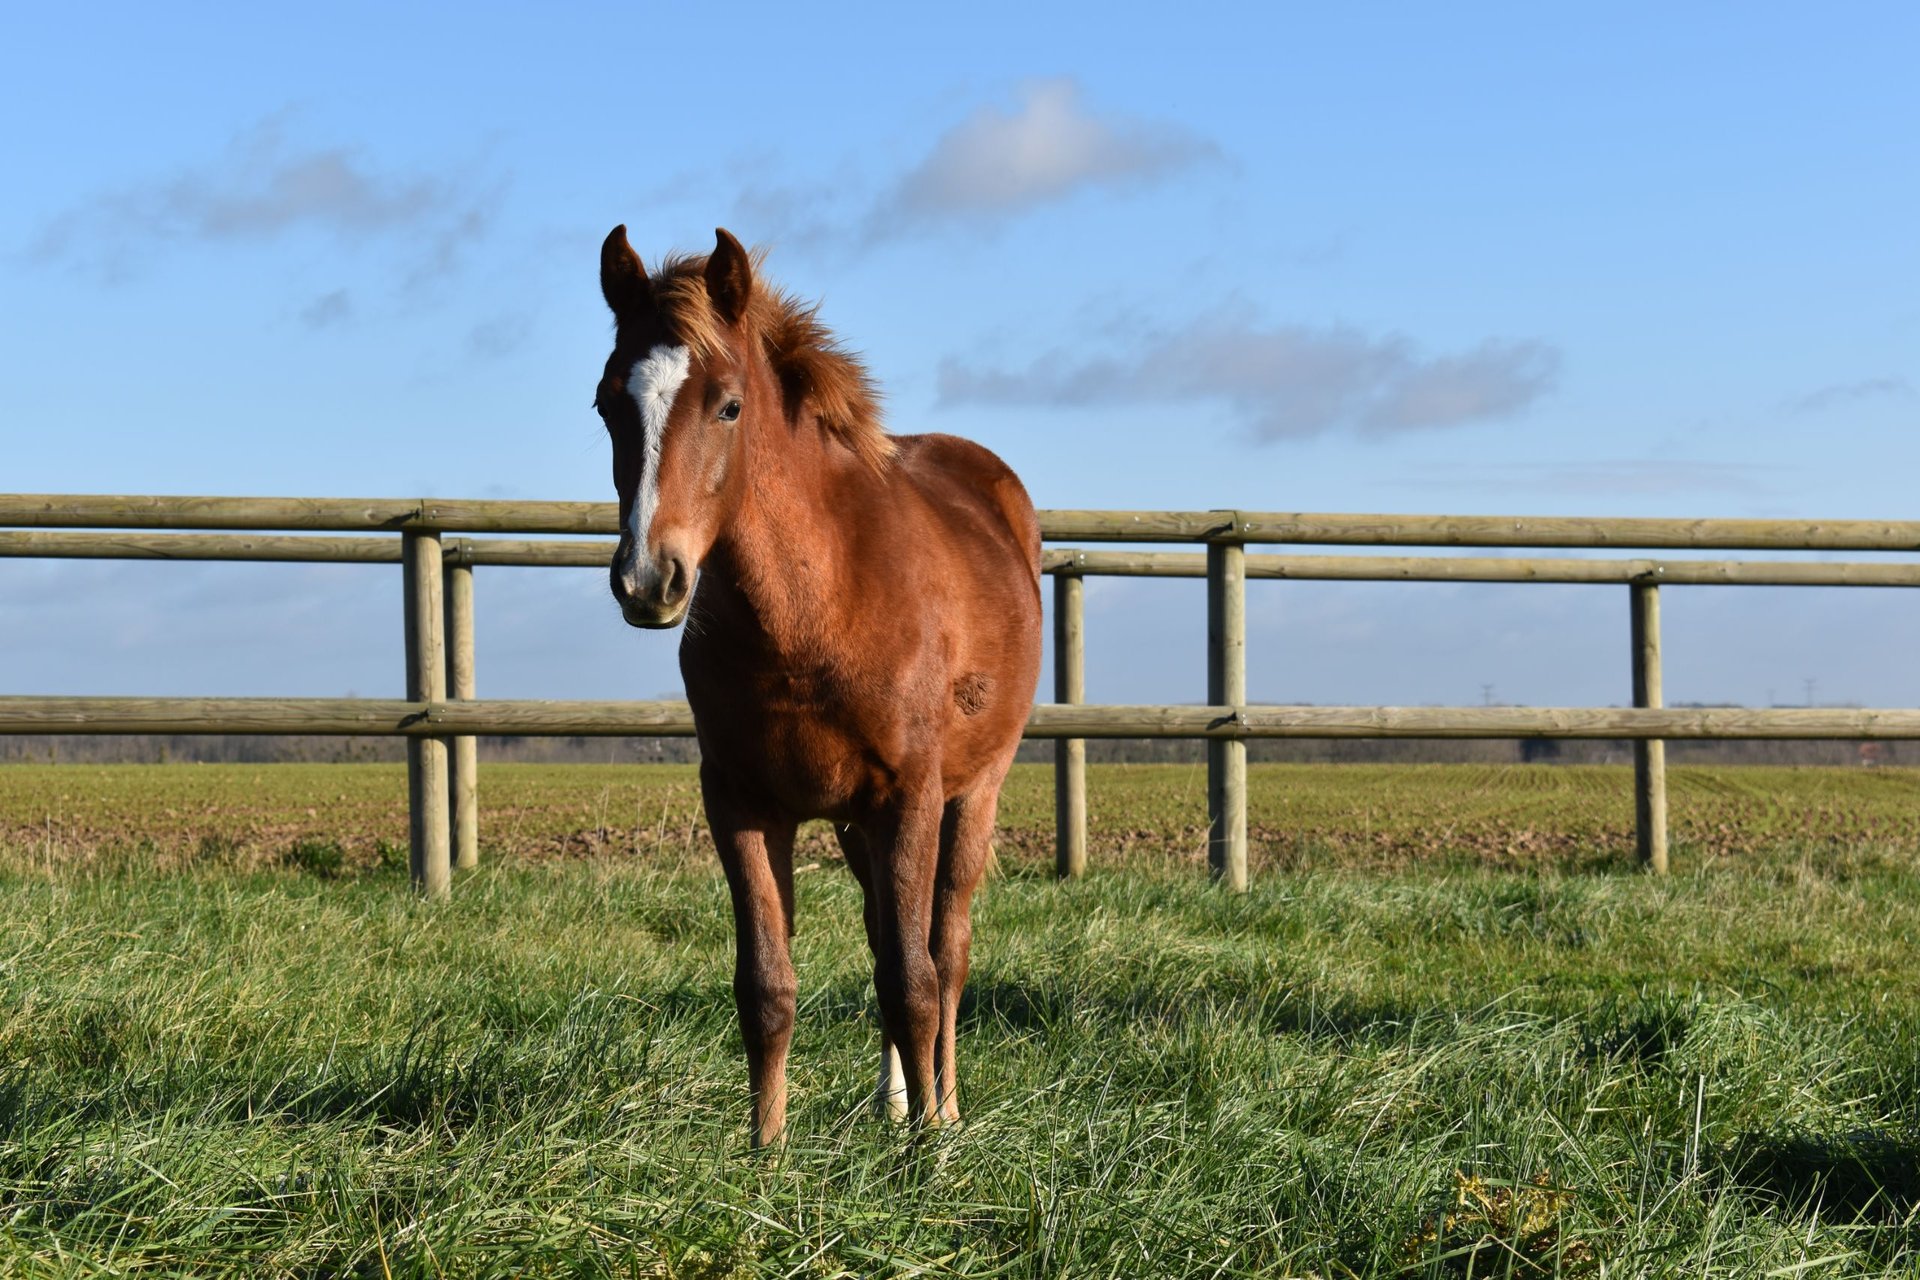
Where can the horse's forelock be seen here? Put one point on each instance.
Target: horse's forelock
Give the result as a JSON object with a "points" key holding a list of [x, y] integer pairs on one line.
{"points": [[812, 366]]}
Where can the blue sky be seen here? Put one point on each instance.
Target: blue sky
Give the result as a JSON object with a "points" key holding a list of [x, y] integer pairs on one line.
{"points": [[1468, 258]]}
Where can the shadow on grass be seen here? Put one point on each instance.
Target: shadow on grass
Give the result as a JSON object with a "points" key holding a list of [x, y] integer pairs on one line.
{"points": [[1009, 1005], [1866, 1176], [1640, 1031], [428, 1079], [1019, 1006]]}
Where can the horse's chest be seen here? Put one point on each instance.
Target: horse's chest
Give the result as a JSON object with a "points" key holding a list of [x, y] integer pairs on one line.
{"points": [[797, 736]]}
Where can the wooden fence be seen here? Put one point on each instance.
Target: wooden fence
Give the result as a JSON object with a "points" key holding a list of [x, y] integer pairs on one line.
{"points": [[441, 714]]}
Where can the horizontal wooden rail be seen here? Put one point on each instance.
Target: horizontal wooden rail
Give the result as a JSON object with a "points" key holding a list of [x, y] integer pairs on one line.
{"points": [[374, 717], [61, 545], [595, 554], [1057, 721], [1479, 531], [578, 554], [345, 717], [364, 515], [319, 515], [1370, 568], [365, 549], [348, 717]]}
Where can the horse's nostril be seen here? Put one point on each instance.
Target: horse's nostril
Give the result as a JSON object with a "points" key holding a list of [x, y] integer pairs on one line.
{"points": [[677, 580]]}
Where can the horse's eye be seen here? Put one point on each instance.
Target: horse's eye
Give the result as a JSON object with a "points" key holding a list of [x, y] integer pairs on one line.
{"points": [[730, 412]]}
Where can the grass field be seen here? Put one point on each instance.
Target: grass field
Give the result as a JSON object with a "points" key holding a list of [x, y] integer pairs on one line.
{"points": [[1449, 1033], [1301, 817]]}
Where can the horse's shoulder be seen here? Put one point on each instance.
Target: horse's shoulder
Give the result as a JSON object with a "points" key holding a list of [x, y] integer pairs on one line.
{"points": [[955, 472]]}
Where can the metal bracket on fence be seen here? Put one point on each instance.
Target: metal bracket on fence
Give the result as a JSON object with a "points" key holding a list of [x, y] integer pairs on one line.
{"points": [[1231, 529], [1065, 562], [1236, 718]]}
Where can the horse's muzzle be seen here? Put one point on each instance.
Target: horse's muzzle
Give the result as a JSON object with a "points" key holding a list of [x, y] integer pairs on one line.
{"points": [[652, 592], [653, 619]]}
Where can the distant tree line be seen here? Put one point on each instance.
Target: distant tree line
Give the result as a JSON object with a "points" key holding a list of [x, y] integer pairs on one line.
{"points": [[273, 749], [304, 749]]}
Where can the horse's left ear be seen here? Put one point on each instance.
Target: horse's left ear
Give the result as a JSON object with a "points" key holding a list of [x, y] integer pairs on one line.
{"points": [[623, 279], [729, 277]]}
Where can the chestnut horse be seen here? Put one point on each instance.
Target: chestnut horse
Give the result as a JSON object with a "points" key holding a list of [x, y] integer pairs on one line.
{"points": [[862, 639]]}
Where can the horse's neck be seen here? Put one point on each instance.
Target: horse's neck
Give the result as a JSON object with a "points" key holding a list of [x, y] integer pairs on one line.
{"points": [[784, 556]]}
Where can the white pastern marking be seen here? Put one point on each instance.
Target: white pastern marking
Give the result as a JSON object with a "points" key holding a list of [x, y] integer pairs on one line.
{"points": [[654, 384], [893, 1085]]}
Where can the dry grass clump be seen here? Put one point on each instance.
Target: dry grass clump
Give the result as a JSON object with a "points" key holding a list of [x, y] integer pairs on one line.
{"points": [[1501, 1230]]}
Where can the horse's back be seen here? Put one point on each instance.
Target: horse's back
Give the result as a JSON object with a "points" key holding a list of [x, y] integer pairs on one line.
{"points": [[974, 490]]}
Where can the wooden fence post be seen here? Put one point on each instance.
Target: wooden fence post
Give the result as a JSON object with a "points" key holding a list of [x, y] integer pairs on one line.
{"points": [[1227, 686], [463, 774], [1069, 754], [1649, 754], [428, 855]]}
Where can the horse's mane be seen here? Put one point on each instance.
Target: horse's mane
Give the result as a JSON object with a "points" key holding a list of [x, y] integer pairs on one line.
{"points": [[812, 365]]}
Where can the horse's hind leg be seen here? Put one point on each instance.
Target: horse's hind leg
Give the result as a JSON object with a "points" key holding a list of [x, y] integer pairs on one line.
{"points": [[905, 850], [890, 1093], [966, 844], [757, 853]]}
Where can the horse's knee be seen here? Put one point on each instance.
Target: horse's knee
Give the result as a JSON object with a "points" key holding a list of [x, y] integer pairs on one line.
{"points": [[906, 980], [904, 973], [766, 1006]]}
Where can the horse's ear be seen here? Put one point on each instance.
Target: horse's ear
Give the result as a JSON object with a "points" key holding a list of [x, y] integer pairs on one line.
{"points": [[623, 280], [729, 277]]}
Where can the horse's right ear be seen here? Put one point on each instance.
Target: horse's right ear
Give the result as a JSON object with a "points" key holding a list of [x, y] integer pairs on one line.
{"points": [[729, 276], [623, 280]]}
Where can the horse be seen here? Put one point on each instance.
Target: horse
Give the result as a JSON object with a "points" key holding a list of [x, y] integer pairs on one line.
{"points": [[862, 639]]}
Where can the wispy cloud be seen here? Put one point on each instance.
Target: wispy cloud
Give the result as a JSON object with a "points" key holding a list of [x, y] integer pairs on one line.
{"points": [[1841, 393], [499, 337], [1606, 477], [263, 186], [1046, 147], [1283, 381], [327, 310]]}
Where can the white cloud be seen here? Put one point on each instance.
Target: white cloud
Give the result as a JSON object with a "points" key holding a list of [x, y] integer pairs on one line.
{"points": [[1048, 146], [1283, 381]]}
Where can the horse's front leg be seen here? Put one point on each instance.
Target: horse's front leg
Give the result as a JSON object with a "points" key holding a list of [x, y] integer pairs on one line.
{"points": [[757, 851], [904, 846]]}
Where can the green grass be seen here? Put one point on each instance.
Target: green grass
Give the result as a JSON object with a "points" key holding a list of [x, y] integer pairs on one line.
{"points": [[220, 1054]]}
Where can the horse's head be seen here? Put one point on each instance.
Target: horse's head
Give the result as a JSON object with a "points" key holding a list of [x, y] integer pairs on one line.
{"points": [[676, 400]]}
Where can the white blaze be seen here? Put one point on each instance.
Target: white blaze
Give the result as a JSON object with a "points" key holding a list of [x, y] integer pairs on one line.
{"points": [[653, 384]]}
